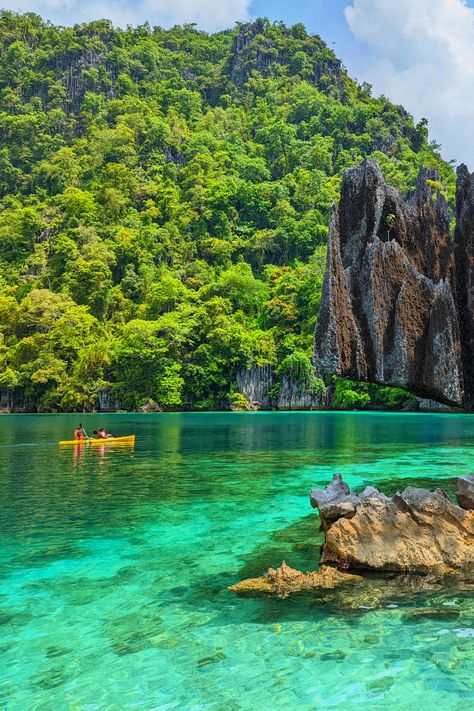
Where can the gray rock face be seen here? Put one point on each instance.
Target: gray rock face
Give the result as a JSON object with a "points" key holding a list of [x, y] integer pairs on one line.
{"points": [[334, 502], [416, 531], [464, 246], [254, 49], [395, 286], [465, 492], [15, 400], [294, 395], [255, 384]]}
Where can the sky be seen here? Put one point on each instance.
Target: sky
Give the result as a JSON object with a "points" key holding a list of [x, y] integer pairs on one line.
{"points": [[419, 53]]}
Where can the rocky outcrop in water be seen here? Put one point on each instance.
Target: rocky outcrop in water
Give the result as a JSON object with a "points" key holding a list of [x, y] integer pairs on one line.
{"points": [[285, 581], [397, 305], [415, 531], [417, 540]]}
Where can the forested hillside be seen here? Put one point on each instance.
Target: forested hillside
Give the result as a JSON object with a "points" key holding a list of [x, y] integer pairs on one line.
{"points": [[164, 204]]}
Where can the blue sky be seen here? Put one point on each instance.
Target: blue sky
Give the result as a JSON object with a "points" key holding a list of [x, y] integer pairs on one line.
{"points": [[324, 17], [419, 53]]}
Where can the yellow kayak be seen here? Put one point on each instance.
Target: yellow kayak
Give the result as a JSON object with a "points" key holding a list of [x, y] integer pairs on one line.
{"points": [[128, 439]]}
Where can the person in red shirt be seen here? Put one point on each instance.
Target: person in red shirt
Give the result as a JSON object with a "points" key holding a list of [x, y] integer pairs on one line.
{"points": [[80, 433], [103, 434]]}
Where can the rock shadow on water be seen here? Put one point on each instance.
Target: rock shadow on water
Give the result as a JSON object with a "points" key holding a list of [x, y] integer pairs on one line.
{"points": [[41, 557], [415, 599], [51, 676], [207, 596], [79, 591], [12, 619]]}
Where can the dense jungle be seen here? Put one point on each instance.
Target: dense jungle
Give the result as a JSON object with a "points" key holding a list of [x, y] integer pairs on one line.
{"points": [[165, 198]]}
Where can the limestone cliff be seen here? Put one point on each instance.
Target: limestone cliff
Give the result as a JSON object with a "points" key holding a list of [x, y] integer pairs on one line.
{"points": [[397, 299], [464, 247]]}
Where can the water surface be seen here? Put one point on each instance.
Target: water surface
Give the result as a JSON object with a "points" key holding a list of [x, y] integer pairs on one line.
{"points": [[115, 564]]}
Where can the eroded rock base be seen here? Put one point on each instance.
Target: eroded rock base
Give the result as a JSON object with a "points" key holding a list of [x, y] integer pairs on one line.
{"points": [[284, 581]]}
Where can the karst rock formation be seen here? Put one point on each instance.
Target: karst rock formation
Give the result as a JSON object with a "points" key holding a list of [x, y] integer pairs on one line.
{"points": [[398, 298], [415, 531]]}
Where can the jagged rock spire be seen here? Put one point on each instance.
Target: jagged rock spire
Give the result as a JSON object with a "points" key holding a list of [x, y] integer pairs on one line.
{"points": [[390, 310], [464, 249]]}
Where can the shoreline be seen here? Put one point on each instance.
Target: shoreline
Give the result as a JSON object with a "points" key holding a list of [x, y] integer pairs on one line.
{"points": [[374, 411]]}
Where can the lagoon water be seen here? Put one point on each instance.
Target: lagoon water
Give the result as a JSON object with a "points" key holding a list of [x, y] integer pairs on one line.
{"points": [[115, 564]]}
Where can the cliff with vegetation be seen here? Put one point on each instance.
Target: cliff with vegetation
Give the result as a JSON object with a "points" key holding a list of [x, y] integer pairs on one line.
{"points": [[164, 203]]}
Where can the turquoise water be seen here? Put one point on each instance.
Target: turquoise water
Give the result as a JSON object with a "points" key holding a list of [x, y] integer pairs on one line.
{"points": [[115, 565]]}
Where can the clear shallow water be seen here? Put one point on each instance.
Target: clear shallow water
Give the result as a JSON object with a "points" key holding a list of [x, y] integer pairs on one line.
{"points": [[115, 565]]}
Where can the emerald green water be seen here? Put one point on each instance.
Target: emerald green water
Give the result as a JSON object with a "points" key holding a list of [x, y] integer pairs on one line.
{"points": [[115, 565]]}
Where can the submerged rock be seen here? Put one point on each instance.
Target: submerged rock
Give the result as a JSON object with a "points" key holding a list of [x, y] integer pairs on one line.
{"points": [[397, 305], [465, 491], [284, 581], [416, 531]]}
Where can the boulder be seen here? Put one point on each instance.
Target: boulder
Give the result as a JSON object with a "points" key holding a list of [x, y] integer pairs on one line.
{"points": [[465, 492], [415, 531], [284, 581], [333, 502]]}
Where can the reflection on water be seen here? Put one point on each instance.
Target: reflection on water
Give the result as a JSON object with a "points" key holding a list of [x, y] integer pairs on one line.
{"points": [[116, 562]]}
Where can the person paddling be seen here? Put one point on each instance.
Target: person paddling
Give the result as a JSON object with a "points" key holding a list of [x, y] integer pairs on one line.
{"points": [[80, 433]]}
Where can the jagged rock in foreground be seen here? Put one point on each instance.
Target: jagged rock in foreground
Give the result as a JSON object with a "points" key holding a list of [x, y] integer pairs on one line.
{"points": [[416, 531], [335, 501], [284, 581], [397, 289], [465, 491]]}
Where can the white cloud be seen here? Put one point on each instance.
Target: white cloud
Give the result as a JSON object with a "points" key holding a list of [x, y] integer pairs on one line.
{"points": [[209, 15], [424, 59]]}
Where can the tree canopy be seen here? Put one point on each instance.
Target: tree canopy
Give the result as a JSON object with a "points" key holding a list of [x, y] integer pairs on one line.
{"points": [[164, 203]]}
